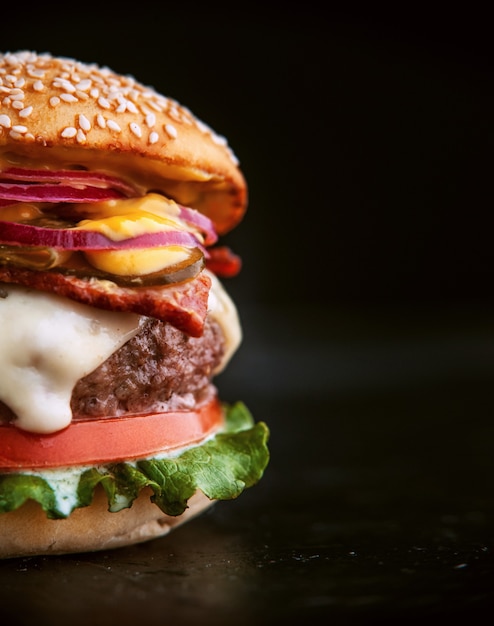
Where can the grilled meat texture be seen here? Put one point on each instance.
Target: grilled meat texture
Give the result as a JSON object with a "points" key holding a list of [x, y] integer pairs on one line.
{"points": [[160, 368]]}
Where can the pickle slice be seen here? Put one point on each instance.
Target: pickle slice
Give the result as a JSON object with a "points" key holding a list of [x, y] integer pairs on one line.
{"points": [[32, 258], [187, 269], [74, 264]]}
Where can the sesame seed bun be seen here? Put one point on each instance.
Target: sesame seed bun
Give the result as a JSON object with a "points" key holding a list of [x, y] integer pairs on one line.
{"points": [[27, 531], [59, 111]]}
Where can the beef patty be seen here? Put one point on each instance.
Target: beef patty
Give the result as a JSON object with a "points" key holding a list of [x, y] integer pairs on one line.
{"points": [[160, 368]]}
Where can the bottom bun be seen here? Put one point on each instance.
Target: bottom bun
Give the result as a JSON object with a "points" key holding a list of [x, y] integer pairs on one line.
{"points": [[28, 532]]}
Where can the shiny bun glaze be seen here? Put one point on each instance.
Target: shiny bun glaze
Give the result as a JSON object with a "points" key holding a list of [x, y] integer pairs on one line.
{"points": [[61, 112]]}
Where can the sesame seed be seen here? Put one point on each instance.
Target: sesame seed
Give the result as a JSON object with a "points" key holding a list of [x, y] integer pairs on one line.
{"points": [[174, 114], [100, 120], [68, 97], [35, 73], [26, 112], [96, 78], [143, 108], [84, 123], [131, 107], [233, 156], [136, 129], [18, 128], [17, 104], [171, 130], [64, 84], [15, 135], [112, 125], [20, 83], [204, 128], [54, 100], [103, 102], [68, 132], [84, 85], [153, 137], [219, 139], [38, 85], [5, 121], [81, 136], [150, 120], [155, 106]]}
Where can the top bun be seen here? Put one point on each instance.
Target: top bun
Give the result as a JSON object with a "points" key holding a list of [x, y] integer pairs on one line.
{"points": [[59, 112]]}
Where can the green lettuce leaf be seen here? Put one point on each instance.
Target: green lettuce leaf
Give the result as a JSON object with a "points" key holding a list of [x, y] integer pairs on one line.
{"points": [[221, 468]]}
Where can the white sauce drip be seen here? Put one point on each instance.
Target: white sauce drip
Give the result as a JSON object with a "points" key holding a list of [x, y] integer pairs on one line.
{"points": [[47, 343]]}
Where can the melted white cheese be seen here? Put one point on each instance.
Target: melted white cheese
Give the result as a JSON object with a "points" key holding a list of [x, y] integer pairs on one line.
{"points": [[47, 343], [224, 311]]}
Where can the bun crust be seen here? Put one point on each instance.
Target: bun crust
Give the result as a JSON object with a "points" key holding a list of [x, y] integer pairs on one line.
{"points": [[28, 532], [60, 111]]}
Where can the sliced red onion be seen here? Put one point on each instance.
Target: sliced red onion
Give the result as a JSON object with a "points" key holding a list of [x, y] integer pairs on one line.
{"points": [[55, 193], [201, 222], [69, 177], [79, 186], [15, 234]]}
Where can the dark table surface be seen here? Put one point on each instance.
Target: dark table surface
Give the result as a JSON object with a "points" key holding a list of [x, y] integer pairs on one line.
{"points": [[377, 506]]}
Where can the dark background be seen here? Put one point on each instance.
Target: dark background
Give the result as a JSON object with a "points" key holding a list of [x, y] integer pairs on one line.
{"points": [[366, 297]]}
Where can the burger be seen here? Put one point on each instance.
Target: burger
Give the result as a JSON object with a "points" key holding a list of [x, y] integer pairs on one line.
{"points": [[114, 320]]}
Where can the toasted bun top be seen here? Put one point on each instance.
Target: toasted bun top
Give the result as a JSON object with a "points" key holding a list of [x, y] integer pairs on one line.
{"points": [[61, 112]]}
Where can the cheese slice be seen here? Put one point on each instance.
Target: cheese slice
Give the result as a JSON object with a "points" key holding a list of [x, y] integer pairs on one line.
{"points": [[47, 343], [131, 217]]}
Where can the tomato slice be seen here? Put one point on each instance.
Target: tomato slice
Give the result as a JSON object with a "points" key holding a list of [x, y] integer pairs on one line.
{"points": [[108, 440]]}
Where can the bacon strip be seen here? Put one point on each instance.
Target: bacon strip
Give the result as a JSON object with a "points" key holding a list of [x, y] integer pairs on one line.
{"points": [[223, 262], [183, 305]]}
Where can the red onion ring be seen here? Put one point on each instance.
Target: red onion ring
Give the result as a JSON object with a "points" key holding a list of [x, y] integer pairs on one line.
{"points": [[15, 234], [17, 192], [76, 177], [200, 221], [79, 186]]}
